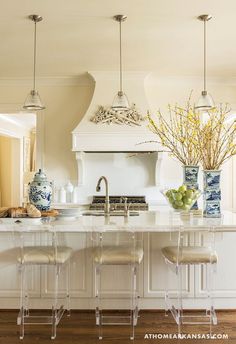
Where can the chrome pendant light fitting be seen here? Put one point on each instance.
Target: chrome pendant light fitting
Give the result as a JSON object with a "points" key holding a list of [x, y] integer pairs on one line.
{"points": [[33, 101], [205, 102], [120, 102]]}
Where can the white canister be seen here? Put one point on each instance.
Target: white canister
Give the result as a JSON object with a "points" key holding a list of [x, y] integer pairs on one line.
{"points": [[75, 195], [69, 190], [62, 195]]}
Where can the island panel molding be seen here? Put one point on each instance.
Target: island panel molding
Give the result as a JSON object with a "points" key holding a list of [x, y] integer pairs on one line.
{"points": [[151, 279]]}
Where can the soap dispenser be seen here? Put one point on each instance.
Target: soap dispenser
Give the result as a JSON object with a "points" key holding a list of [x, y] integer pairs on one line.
{"points": [[69, 191]]}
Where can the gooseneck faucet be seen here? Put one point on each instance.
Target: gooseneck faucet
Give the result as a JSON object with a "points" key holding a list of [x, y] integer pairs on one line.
{"points": [[98, 188]]}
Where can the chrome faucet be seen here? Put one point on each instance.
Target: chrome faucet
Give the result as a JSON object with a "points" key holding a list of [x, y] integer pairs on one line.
{"points": [[98, 188], [126, 205]]}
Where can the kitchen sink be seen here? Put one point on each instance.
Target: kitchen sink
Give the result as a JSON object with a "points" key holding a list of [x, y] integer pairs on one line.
{"points": [[112, 213], [23, 221]]}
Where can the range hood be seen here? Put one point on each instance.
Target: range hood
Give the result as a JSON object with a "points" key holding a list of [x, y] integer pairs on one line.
{"points": [[141, 174], [101, 137]]}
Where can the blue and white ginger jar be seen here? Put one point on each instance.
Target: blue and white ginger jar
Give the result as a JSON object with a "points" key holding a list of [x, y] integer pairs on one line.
{"points": [[40, 191]]}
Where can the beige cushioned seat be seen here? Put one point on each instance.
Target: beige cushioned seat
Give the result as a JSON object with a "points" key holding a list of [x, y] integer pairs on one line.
{"points": [[44, 255], [189, 255], [117, 255]]}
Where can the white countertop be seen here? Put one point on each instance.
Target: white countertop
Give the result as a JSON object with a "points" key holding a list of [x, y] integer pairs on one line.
{"points": [[161, 220]]}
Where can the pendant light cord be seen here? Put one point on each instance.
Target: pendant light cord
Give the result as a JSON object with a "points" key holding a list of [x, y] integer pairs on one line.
{"points": [[204, 58], [35, 37], [121, 81]]}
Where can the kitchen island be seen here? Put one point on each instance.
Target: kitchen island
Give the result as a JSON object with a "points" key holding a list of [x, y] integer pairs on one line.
{"points": [[157, 228], [162, 220]]}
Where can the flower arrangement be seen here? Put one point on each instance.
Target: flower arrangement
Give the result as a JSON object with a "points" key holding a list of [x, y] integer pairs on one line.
{"points": [[215, 137], [177, 133], [192, 140]]}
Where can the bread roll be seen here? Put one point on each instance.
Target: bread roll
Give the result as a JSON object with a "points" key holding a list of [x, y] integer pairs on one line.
{"points": [[18, 212], [32, 211], [4, 211]]}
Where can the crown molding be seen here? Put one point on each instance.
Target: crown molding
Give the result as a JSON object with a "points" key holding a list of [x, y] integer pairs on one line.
{"points": [[154, 78], [80, 80], [88, 78], [98, 74]]}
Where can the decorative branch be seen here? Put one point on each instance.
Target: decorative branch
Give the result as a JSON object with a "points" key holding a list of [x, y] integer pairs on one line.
{"points": [[176, 133], [109, 116], [215, 138]]}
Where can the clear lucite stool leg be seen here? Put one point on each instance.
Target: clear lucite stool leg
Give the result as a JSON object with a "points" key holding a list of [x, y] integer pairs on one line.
{"points": [[68, 288], [210, 275], [134, 303], [180, 297], [166, 294], [136, 297], [20, 319], [54, 307], [208, 291], [98, 311]]}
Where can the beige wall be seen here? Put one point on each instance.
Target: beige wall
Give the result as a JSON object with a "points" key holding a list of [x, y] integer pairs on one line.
{"points": [[10, 171], [65, 108], [5, 170], [67, 102]]}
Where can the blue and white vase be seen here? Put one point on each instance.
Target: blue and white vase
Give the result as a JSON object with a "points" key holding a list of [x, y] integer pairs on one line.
{"points": [[40, 191], [191, 179], [212, 193]]}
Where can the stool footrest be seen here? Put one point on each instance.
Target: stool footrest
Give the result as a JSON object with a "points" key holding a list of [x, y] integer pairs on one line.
{"points": [[195, 319], [40, 319], [116, 320]]}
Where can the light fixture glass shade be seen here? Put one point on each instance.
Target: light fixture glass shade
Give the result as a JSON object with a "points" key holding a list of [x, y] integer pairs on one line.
{"points": [[33, 101], [120, 102], [205, 102]]}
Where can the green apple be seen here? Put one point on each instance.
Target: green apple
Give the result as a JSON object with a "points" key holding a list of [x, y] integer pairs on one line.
{"points": [[187, 200], [168, 193], [178, 196], [182, 188], [189, 193], [185, 207], [174, 206], [179, 203]]}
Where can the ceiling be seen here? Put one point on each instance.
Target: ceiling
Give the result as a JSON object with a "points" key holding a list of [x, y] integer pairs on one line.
{"points": [[23, 120], [79, 35]]}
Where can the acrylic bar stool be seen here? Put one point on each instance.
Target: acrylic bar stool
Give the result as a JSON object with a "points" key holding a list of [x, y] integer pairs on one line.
{"points": [[117, 249], [179, 257], [40, 248]]}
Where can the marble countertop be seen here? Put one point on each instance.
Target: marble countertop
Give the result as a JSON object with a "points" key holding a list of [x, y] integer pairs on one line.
{"points": [[160, 220]]}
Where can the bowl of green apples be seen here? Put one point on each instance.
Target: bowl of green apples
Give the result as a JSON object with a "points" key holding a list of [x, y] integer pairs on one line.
{"points": [[182, 198]]}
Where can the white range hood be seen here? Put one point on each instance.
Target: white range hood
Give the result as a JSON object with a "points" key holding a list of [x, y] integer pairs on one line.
{"points": [[89, 136], [104, 149]]}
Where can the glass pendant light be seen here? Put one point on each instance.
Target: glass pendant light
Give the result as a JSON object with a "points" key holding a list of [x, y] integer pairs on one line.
{"points": [[33, 100], [205, 102], [120, 102]]}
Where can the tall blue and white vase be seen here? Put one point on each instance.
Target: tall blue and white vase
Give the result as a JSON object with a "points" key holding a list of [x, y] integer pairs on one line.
{"points": [[190, 174], [212, 193], [40, 191]]}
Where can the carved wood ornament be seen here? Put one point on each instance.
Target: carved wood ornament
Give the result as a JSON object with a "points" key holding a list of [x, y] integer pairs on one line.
{"points": [[109, 116]]}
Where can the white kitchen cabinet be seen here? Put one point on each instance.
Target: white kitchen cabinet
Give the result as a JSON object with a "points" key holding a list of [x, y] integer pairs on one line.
{"points": [[152, 280], [9, 274], [80, 267]]}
